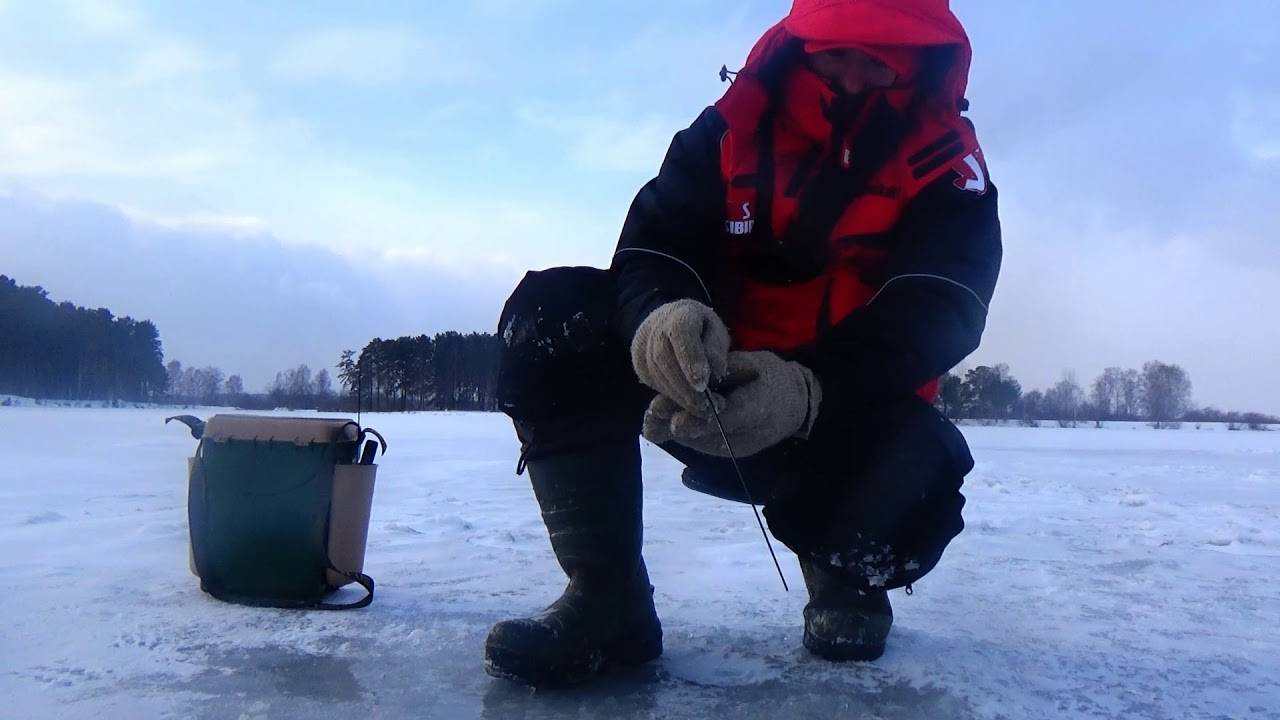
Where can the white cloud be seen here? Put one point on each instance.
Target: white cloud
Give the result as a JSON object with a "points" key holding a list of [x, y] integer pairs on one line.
{"points": [[259, 173], [138, 109], [368, 57], [55, 127], [608, 142], [167, 59], [105, 17], [241, 225], [621, 146], [509, 9], [45, 129], [1256, 124], [391, 220]]}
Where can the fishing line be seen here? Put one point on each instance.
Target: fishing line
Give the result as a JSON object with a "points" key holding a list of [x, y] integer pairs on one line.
{"points": [[716, 414]]}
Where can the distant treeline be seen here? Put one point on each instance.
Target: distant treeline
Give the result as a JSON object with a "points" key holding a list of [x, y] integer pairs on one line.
{"points": [[1160, 393], [450, 371], [62, 351]]}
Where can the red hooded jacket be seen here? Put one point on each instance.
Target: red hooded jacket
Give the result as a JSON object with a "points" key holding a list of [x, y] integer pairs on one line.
{"points": [[765, 313], [856, 235]]}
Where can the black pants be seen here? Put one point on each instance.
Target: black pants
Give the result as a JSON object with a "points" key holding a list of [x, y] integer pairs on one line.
{"points": [[877, 502]]}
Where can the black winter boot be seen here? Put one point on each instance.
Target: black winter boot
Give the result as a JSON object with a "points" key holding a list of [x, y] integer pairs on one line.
{"points": [[842, 622], [591, 504]]}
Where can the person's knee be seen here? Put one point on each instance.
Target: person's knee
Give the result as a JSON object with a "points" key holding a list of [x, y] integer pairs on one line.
{"points": [[563, 377], [557, 341], [936, 441]]}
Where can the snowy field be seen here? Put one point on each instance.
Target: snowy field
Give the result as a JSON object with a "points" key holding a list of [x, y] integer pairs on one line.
{"points": [[1115, 573]]}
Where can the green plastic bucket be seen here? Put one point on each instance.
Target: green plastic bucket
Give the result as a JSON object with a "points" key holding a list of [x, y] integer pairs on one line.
{"points": [[279, 509]]}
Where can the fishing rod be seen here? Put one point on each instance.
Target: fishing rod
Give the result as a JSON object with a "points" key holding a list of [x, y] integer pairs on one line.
{"points": [[747, 491]]}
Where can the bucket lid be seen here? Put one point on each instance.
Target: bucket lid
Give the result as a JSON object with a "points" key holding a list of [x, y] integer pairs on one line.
{"points": [[299, 431]]}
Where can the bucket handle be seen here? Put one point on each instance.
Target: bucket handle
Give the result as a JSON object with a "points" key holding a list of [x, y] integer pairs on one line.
{"points": [[365, 449], [195, 424]]}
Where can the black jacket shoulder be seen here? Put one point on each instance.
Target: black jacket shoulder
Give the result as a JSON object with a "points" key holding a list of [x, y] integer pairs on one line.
{"points": [[667, 248], [931, 311]]}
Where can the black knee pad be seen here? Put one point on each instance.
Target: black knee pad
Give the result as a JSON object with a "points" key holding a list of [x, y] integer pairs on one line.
{"points": [[560, 356]]}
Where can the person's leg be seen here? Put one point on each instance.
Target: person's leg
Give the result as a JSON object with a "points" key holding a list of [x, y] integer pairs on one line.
{"points": [[876, 513], [882, 505], [577, 409]]}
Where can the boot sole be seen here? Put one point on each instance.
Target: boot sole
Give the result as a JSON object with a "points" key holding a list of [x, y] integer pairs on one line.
{"points": [[508, 664], [844, 652], [517, 667], [876, 630]]}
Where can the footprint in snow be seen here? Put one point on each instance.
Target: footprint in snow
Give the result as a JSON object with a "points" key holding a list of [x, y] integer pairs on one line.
{"points": [[1134, 500], [405, 529]]}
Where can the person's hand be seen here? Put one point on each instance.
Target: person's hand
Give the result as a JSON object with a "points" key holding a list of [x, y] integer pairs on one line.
{"points": [[679, 349], [763, 401]]}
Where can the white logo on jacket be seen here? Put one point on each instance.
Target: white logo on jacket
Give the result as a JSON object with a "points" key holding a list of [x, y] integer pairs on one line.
{"points": [[743, 226], [972, 177]]}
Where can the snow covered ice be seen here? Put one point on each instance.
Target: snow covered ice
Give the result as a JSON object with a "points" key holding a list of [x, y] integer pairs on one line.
{"points": [[1121, 572]]}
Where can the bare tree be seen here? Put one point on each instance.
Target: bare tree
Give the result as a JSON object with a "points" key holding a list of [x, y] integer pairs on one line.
{"points": [[298, 382], [1166, 392], [293, 388], [1062, 401], [234, 389], [1107, 393], [323, 385], [1131, 392], [189, 384], [1030, 408], [173, 373], [206, 384]]}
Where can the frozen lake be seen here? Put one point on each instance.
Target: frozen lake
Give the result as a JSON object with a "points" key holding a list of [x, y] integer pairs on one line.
{"points": [[1120, 572]]}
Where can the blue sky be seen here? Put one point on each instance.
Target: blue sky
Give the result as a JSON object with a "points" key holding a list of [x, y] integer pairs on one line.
{"points": [[324, 173]]}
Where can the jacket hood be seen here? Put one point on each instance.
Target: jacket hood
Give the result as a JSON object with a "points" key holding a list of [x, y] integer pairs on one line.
{"points": [[925, 24]]}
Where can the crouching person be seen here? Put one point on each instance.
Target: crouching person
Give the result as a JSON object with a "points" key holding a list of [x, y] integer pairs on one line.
{"points": [[816, 250]]}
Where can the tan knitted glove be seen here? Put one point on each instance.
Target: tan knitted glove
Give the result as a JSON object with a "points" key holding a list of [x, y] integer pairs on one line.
{"points": [[679, 349], [767, 400]]}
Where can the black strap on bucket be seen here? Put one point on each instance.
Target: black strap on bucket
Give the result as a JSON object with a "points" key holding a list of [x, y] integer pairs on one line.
{"points": [[363, 580]]}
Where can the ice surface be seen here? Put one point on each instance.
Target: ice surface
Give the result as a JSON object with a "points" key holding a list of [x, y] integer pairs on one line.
{"points": [[1121, 572]]}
